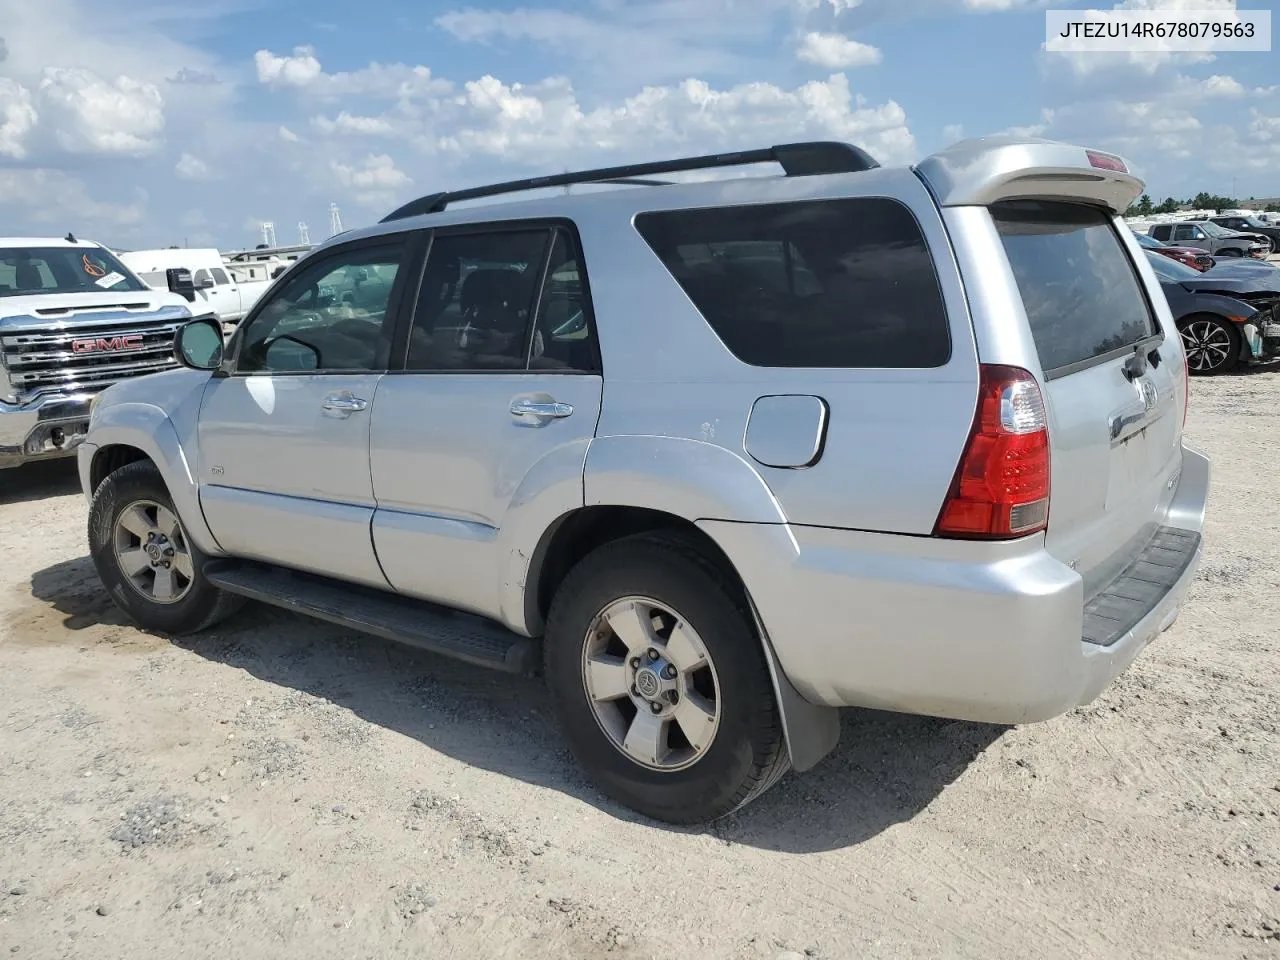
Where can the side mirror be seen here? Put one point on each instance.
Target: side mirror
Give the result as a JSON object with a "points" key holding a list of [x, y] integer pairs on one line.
{"points": [[180, 282], [199, 344], [203, 280]]}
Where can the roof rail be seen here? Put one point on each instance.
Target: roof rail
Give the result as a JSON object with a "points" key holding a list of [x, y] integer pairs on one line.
{"points": [[796, 159]]}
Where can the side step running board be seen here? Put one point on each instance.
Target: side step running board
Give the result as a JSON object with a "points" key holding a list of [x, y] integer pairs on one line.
{"points": [[390, 616]]}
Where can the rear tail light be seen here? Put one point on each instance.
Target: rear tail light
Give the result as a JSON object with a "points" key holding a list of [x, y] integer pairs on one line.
{"points": [[1106, 161], [1001, 488]]}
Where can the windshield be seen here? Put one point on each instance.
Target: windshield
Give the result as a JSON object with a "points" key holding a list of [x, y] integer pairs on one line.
{"points": [[1213, 230], [1144, 240], [28, 271], [1167, 269], [1254, 222]]}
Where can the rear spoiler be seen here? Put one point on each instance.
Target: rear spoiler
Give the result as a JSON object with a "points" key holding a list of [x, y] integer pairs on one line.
{"points": [[985, 170]]}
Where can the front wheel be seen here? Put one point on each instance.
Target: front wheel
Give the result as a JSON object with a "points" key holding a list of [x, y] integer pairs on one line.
{"points": [[144, 559], [1212, 344], [659, 681], [1232, 252]]}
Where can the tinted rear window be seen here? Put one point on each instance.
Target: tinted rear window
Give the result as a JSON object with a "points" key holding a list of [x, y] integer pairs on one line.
{"points": [[818, 283], [1081, 293]]}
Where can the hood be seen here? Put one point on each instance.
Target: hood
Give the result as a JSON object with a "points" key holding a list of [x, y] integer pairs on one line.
{"points": [[1239, 279], [58, 309], [1239, 267], [1249, 285], [1245, 235]]}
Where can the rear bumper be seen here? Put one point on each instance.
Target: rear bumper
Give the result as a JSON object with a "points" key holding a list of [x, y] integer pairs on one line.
{"points": [[44, 428], [983, 632]]}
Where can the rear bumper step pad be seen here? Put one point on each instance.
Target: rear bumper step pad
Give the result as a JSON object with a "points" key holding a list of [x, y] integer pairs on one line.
{"points": [[1121, 605]]}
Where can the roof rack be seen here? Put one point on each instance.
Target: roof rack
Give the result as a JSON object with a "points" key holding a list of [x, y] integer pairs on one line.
{"points": [[796, 159]]}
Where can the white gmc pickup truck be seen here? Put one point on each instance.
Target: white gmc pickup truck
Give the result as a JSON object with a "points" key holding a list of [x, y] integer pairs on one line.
{"points": [[73, 320]]}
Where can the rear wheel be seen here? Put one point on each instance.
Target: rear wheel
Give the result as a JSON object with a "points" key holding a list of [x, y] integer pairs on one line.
{"points": [[659, 680], [1212, 344], [1230, 252], [143, 556]]}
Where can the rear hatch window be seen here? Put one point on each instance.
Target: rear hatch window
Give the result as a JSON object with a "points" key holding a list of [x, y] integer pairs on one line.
{"points": [[1082, 295]]}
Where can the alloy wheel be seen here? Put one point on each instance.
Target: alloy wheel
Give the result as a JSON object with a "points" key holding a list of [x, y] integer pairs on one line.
{"points": [[651, 684], [152, 552]]}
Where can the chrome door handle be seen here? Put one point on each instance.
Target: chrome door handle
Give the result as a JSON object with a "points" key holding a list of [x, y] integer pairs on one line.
{"points": [[532, 408], [344, 403]]}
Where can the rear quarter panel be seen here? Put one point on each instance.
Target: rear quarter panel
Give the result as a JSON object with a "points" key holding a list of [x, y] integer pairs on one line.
{"points": [[893, 436]]}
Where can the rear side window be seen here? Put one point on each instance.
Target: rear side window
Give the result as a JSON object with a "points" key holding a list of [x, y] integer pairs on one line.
{"points": [[1081, 293], [816, 283]]}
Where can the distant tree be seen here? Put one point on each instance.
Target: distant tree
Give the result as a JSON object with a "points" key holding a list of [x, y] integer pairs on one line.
{"points": [[1169, 205], [1211, 201], [1272, 208], [1142, 207]]}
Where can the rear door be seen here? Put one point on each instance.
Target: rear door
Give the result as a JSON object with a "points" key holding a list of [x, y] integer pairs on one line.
{"points": [[1113, 375], [487, 424]]}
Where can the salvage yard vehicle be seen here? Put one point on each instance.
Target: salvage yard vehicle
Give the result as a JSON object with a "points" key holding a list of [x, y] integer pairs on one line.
{"points": [[1251, 225], [73, 320], [1225, 318], [718, 458], [201, 278], [1192, 257], [1216, 240]]}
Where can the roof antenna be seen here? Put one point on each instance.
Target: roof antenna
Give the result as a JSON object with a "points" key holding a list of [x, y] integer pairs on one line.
{"points": [[70, 237]]}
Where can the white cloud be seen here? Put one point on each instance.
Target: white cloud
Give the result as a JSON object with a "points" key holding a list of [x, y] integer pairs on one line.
{"points": [[303, 71], [1264, 128], [298, 70], [191, 167], [835, 51], [93, 115], [375, 179], [1220, 86], [953, 133], [287, 135], [545, 123], [346, 123], [836, 6], [53, 197], [17, 118]]}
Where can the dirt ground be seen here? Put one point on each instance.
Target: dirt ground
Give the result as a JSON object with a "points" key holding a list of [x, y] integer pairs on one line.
{"points": [[280, 788]]}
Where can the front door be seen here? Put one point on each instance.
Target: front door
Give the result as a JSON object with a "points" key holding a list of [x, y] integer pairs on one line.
{"points": [[284, 432], [480, 441]]}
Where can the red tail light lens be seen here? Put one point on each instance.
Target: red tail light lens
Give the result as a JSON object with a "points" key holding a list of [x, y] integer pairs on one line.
{"points": [[1001, 488], [1106, 161]]}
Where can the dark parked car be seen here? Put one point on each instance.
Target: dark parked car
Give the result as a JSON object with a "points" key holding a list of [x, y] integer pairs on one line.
{"points": [[1224, 320], [1250, 225], [1191, 256]]}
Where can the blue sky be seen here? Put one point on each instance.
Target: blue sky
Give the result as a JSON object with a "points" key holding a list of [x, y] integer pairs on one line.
{"points": [[150, 122]]}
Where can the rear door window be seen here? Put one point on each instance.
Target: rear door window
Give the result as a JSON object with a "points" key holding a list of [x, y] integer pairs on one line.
{"points": [[817, 283], [1081, 293]]}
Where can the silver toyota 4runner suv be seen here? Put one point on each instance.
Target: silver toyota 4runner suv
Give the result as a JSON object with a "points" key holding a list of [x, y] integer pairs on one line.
{"points": [[718, 458]]}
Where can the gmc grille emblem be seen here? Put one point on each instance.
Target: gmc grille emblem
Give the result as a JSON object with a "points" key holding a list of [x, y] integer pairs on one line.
{"points": [[107, 344]]}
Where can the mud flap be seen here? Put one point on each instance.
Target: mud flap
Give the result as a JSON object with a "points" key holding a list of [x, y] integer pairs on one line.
{"points": [[811, 730]]}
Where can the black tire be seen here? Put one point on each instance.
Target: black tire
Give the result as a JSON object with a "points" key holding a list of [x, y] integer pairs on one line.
{"points": [[1230, 252], [747, 754], [201, 607], [1200, 331]]}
